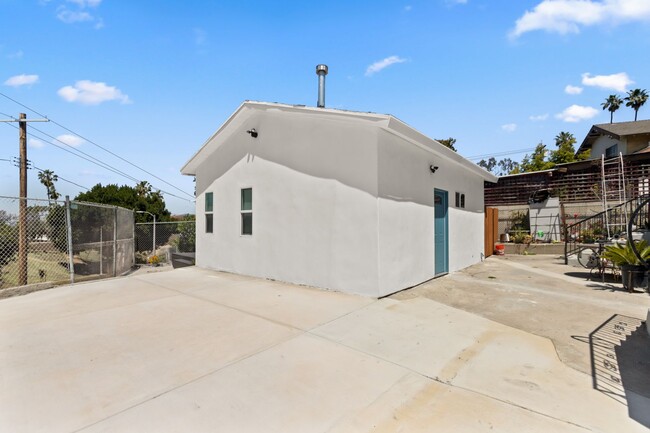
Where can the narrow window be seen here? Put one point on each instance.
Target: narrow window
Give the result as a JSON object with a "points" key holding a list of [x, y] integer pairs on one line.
{"points": [[247, 211], [208, 213], [208, 223], [457, 199], [208, 202], [462, 201]]}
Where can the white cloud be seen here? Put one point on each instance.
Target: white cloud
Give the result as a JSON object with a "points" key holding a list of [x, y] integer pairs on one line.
{"points": [[509, 127], [80, 13], [71, 140], [572, 90], [618, 82], [539, 117], [86, 3], [92, 93], [21, 80], [576, 113], [568, 16], [70, 17], [34, 143], [382, 64]]}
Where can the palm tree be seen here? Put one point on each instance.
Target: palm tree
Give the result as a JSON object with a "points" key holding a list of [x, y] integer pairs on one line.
{"points": [[635, 99], [47, 178], [612, 103], [143, 189]]}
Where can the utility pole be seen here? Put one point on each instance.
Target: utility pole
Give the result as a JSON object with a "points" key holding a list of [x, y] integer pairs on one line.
{"points": [[22, 213], [22, 208]]}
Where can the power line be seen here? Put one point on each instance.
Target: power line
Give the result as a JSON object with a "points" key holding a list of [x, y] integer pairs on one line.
{"points": [[63, 179], [509, 152], [89, 159], [92, 159], [99, 146], [58, 176]]}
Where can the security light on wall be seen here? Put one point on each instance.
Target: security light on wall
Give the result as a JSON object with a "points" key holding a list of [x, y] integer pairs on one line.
{"points": [[252, 132], [433, 168]]}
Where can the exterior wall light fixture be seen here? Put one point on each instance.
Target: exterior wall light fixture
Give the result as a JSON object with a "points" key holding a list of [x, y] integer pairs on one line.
{"points": [[433, 168], [252, 132]]}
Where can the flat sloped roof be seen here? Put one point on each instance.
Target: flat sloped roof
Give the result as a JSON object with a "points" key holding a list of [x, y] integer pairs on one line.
{"points": [[615, 130]]}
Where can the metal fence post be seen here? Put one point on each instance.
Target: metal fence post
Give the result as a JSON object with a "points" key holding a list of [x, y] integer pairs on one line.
{"points": [[133, 240], [114, 241], [68, 222]]}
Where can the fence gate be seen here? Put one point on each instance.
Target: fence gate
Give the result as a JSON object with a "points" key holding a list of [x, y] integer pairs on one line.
{"points": [[491, 229]]}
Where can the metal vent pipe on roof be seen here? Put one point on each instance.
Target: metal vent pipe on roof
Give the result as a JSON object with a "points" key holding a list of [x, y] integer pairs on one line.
{"points": [[321, 71]]}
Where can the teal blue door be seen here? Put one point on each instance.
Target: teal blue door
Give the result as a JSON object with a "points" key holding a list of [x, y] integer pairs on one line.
{"points": [[441, 235]]}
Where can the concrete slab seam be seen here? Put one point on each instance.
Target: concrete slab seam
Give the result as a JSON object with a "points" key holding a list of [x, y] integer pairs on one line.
{"points": [[438, 380]]}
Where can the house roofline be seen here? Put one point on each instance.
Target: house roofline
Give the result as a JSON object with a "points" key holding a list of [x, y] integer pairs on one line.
{"points": [[392, 125]]}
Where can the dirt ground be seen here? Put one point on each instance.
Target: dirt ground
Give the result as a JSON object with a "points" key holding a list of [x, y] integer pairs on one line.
{"points": [[541, 295]]}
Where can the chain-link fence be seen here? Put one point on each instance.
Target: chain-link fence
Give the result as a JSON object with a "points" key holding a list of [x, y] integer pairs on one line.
{"points": [[162, 239], [46, 241], [102, 239]]}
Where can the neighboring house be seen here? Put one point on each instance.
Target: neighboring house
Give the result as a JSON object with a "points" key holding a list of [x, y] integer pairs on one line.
{"points": [[579, 185], [610, 139], [349, 201]]}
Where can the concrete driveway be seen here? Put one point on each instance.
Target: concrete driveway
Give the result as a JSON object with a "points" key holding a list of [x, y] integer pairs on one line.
{"points": [[193, 350]]}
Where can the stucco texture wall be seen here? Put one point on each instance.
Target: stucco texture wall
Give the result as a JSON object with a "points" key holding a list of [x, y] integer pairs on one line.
{"points": [[314, 207], [337, 203], [406, 217]]}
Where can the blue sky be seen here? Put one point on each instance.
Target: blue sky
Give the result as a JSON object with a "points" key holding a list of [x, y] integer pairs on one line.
{"points": [[151, 81]]}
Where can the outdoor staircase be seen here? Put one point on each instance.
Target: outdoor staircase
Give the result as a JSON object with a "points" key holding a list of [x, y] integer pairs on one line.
{"points": [[601, 227]]}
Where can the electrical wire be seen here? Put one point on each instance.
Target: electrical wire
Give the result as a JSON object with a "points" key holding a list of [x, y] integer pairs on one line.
{"points": [[63, 179], [97, 145], [90, 158], [508, 152]]}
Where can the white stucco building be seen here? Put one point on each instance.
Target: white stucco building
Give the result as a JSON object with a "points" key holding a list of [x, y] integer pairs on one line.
{"points": [[349, 201]]}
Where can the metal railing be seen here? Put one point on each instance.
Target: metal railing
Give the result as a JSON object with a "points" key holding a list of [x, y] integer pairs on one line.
{"points": [[62, 241], [602, 226]]}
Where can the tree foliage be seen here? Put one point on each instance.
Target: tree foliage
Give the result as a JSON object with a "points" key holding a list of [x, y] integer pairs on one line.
{"points": [[566, 151], [501, 167], [448, 142], [537, 160], [8, 239], [48, 178], [612, 103], [636, 99], [139, 198]]}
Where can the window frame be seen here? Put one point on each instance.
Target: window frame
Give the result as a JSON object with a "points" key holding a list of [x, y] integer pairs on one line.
{"points": [[460, 200], [245, 212], [208, 212]]}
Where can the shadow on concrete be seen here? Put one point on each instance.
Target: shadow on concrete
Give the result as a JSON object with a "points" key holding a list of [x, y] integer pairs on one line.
{"points": [[620, 364]]}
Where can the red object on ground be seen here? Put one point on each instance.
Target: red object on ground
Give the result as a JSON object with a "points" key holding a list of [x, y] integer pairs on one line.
{"points": [[500, 250]]}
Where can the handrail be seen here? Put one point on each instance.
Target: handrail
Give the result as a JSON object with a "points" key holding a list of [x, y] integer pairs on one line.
{"points": [[644, 201], [585, 230]]}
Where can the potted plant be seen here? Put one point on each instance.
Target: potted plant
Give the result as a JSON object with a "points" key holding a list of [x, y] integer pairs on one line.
{"points": [[632, 269]]}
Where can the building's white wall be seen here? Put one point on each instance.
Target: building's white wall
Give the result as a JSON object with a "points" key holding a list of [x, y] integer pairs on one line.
{"points": [[406, 217], [603, 142], [466, 226], [314, 202]]}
